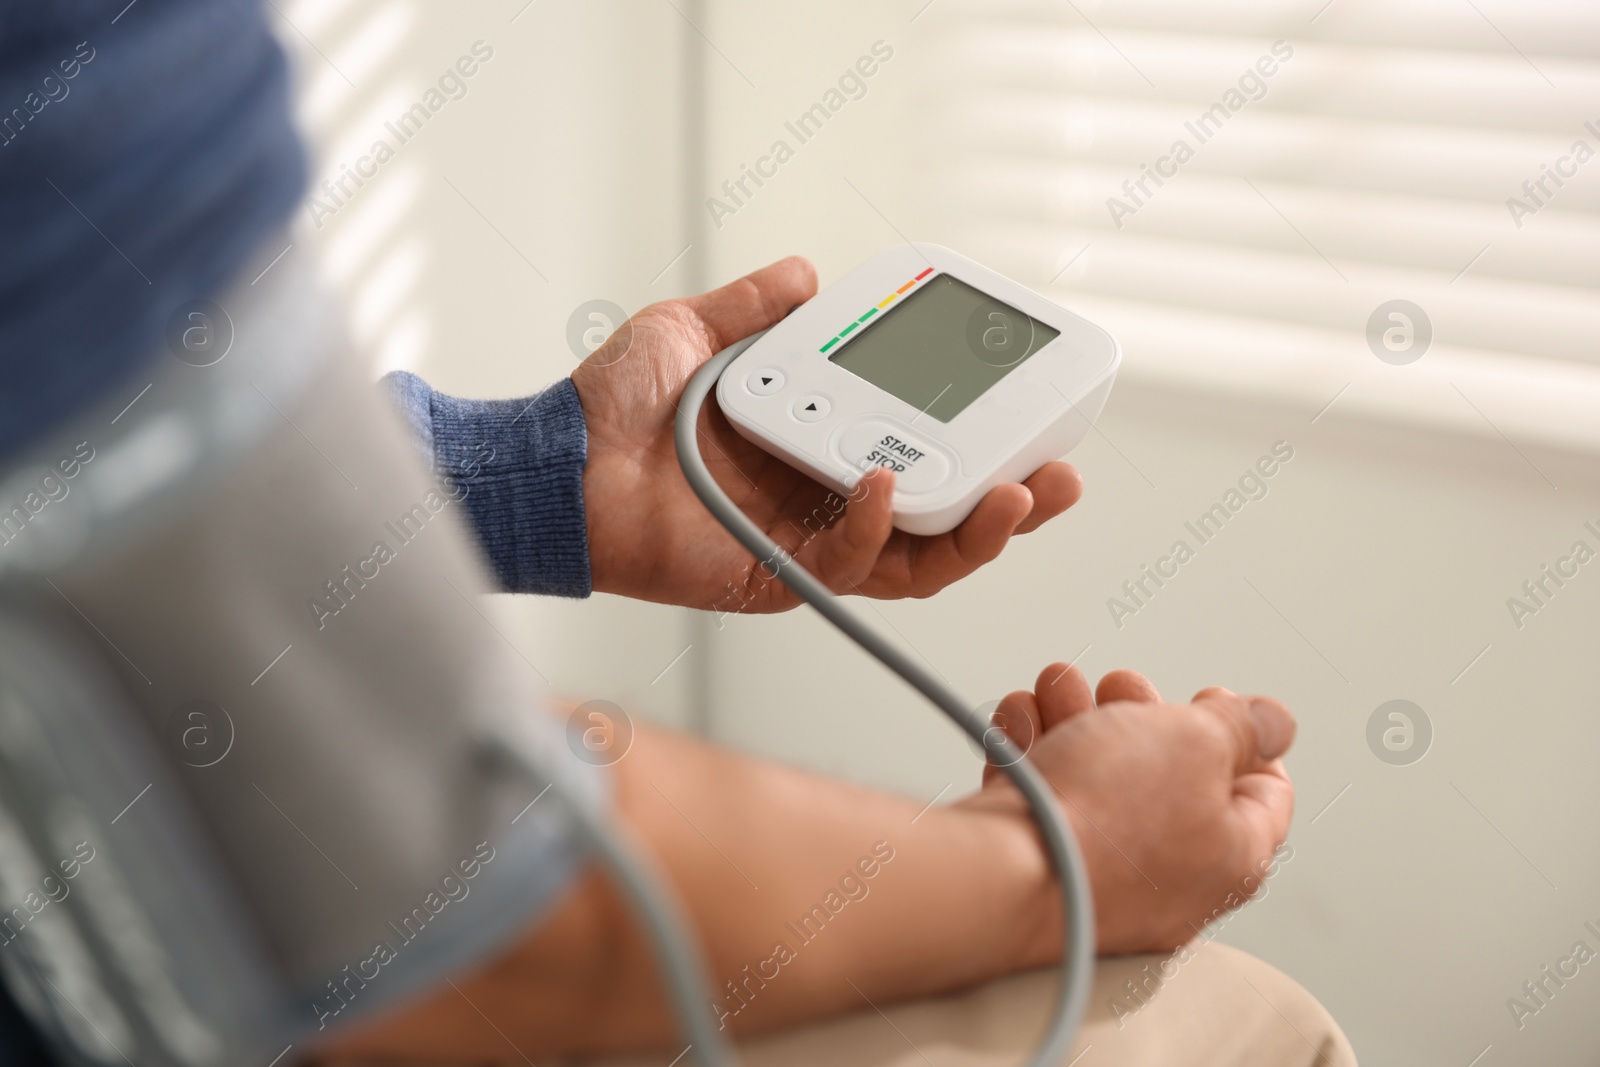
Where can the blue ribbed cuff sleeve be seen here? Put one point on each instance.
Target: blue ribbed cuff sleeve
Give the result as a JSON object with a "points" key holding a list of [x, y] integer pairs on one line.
{"points": [[520, 463]]}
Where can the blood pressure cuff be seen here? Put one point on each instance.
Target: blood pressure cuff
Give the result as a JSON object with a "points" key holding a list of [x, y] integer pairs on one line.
{"points": [[245, 670]]}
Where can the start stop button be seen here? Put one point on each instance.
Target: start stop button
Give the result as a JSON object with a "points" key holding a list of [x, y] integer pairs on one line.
{"points": [[877, 442]]}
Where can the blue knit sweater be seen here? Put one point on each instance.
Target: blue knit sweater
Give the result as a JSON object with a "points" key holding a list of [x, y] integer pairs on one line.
{"points": [[520, 463]]}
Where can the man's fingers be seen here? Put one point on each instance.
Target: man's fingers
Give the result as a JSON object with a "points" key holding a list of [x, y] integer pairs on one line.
{"points": [[1018, 718], [944, 558], [1276, 769], [1265, 802], [1062, 692], [1055, 488], [1259, 728], [755, 301], [1126, 685], [982, 535], [843, 557]]}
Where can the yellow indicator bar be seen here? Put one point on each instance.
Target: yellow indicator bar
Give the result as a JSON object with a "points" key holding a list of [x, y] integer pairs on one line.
{"points": [[892, 298]]}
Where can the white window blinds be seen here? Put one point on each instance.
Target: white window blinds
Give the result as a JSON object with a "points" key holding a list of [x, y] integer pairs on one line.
{"points": [[1297, 186]]}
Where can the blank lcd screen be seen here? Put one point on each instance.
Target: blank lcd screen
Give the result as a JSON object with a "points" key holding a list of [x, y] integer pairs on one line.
{"points": [[943, 346]]}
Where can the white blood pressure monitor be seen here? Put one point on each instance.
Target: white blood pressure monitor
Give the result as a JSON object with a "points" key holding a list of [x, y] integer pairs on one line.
{"points": [[928, 364]]}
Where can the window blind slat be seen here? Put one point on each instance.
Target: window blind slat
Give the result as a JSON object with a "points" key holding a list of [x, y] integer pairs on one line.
{"points": [[1474, 89], [1544, 29]]}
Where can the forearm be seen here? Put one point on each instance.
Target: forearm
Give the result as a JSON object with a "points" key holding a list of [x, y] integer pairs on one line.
{"points": [[965, 896], [750, 849]]}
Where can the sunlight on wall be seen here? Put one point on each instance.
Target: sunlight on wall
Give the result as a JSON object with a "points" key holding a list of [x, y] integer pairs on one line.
{"points": [[364, 189]]}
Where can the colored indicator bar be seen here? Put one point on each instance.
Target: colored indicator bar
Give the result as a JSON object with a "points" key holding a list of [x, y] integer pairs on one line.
{"points": [[874, 310]]}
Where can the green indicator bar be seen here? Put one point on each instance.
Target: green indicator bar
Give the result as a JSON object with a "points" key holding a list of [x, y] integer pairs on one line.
{"points": [[829, 345], [848, 328], [871, 312]]}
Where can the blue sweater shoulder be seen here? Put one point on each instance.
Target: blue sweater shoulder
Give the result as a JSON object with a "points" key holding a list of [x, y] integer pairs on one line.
{"points": [[144, 158]]}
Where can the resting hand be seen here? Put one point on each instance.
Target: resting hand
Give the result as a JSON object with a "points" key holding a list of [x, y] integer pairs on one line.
{"points": [[651, 538], [1177, 807]]}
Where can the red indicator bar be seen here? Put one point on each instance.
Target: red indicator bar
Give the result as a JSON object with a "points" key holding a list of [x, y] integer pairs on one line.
{"points": [[923, 275]]}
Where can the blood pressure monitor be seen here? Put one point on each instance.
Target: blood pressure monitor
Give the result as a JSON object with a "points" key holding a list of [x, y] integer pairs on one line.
{"points": [[923, 362]]}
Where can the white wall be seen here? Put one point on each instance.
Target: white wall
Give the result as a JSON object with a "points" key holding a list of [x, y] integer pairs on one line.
{"points": [[565, 159], [1423, 897]]}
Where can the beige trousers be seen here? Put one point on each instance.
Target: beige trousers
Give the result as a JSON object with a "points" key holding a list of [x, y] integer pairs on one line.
{"points": [[1222, 1008]]}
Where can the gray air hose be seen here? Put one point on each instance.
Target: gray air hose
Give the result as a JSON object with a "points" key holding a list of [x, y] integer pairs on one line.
{"points": [[1077, 959]]}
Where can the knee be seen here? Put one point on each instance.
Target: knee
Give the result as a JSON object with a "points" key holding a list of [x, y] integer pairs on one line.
{"points": [[1213, 1004]]}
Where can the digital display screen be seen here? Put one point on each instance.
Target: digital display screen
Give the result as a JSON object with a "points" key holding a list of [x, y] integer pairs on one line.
{"points": [[943, 346]]}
